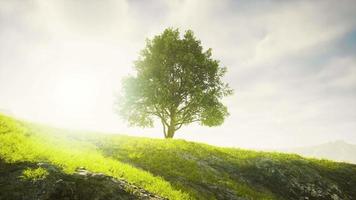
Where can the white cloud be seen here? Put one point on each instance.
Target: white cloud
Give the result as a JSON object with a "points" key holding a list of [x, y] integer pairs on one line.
{"points": [[282, 96]]}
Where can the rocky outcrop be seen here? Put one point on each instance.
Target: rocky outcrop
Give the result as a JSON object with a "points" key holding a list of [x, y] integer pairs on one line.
{"points": [[83, 184]]}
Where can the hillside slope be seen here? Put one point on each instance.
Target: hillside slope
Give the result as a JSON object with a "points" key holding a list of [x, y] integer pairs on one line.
{"points": [[208, 172], [26, 180], [176, 169], [22, 142]]}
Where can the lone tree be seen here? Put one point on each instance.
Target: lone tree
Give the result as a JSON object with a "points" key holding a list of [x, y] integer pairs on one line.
{"points": [[177, 82]]}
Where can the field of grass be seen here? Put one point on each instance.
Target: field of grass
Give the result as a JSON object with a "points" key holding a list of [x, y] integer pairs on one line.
{"points": [[208, 172], [21, 141], [178, 169]]}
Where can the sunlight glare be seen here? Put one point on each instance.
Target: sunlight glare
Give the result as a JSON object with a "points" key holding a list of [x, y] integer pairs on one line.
{"points": [[74, 96]]}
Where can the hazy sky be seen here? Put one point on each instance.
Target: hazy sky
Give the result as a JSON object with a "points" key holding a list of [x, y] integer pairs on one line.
{"points": [[292, 64]]}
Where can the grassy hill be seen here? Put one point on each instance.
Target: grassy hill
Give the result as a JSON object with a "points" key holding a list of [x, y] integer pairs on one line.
{"points": [[173, 169]]}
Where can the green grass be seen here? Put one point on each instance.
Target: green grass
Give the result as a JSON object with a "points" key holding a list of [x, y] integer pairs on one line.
{"points": [[209, 172], [177, 169], [34, 174], [21, 141], [182, 163]]}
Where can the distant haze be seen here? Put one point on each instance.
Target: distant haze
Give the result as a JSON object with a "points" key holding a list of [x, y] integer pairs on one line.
{"points": [[337, 151], [292, 64]]}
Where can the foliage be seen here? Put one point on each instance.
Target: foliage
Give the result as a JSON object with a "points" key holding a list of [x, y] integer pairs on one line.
{"points": [[177, 82]]}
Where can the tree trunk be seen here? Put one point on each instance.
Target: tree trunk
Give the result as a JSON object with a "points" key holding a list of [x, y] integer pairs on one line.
{"points": [[170, 132], [171, 128]]}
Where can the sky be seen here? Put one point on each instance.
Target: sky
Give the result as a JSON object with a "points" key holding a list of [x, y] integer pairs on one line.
{"points": [[292, 65]]}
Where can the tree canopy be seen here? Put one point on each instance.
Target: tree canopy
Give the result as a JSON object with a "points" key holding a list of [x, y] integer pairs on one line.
{"points": [[176, 82]]}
